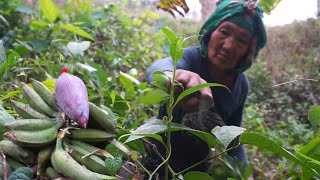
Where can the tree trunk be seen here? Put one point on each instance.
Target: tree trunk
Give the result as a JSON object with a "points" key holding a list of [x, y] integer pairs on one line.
{"points": [[207, 8]]}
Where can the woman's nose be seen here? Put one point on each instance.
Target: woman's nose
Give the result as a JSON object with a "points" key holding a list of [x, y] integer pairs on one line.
{"points": [[228, 43]]}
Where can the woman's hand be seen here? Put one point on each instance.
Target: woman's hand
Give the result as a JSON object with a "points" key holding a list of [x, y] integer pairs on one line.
{"points": [[190, 79]]}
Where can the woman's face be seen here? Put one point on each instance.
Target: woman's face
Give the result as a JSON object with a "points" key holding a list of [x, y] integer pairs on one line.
{"points": [[228, 44]]}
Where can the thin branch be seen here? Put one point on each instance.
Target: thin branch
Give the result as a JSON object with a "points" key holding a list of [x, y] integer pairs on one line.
{"points": [[294, 81]]}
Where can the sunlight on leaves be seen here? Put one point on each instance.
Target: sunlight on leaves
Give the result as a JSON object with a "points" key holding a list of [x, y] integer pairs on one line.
{"points": [[76, 30], [49, 10]]}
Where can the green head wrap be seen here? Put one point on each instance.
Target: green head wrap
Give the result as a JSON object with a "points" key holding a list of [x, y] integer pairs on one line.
{"points": [[245, 15]]}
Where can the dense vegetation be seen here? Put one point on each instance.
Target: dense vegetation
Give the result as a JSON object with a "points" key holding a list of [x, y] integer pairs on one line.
{"points": [[110, 49]]}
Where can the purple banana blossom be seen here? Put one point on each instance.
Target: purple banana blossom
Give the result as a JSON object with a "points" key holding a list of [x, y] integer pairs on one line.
{"points": [[72, 97]]}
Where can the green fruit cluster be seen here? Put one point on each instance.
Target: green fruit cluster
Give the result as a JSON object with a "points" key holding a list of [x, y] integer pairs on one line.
{"points": [[43, 138]]}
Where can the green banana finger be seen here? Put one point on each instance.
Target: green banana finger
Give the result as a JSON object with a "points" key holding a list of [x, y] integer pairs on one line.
{"points": [[37, 138], [102, 117], [26, 111], [90, 148], [62, 161], [91, 135], [83, 157], [51, 173], [36, 102], [45, 94], [30, 124], [17, 152], [43, 157]]}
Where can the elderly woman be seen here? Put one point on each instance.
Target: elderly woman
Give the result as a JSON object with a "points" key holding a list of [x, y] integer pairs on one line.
{"points": [[230, 40]]}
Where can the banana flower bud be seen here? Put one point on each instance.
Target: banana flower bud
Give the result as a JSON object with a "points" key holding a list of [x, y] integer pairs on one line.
{"points": [[72, 97]]}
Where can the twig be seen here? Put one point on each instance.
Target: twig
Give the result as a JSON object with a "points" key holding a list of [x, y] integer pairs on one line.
{"points": [[294, 81], [4, 166]]}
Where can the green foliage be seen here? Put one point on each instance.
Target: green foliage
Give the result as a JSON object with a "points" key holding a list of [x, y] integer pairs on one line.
{"points": [[23, 173], [113, 164]]}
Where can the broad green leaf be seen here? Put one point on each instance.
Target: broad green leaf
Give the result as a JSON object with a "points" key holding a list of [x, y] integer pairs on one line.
{"points": [[160, 80], [267, 144], [114, 151], [113, 165], [10, 94], [38, 25], [50, 84], [135, 136], [76, 30], [192, 175], [155, 126], [169, 34], [269, 5], [226, 134], [4, 116], [129, 77], [40, 45], [49, 10], [153, 96], [128, 86], [78, 48], [13, 57], [314, 115], [195, 89]]}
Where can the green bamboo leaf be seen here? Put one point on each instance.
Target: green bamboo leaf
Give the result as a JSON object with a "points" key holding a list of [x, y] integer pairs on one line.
{"points": [[267, 144], [10, 94], [195, 89], [309, 158], [314, 115], [49, 10], [76, 30]]}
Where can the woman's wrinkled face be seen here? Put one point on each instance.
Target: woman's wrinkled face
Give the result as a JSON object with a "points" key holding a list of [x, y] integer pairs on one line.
{"points": [[228, 44]]}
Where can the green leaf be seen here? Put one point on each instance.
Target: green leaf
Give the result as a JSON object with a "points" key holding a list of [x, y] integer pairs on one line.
{"points": [[155, 126], [129, 77], [38, 25], [226, 134], [153, 96], [113, 165], [78, 48], [76, 30], [50, 84], [314, 115], [195, 89], [13, 57], [160, 80], [10, 94], [267, 144], [114, 151], [169, 34], [40, 45], [49, 10], [192, 175], [4, 116]]}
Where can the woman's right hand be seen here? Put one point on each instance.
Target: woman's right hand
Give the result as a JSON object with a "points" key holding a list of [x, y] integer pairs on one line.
{"points": [[190, 79]]}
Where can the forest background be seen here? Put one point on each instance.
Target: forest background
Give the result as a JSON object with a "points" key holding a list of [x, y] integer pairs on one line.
{"points": [[120, 39]]}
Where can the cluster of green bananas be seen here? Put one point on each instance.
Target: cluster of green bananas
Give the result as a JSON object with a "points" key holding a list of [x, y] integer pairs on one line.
{"points": [[43, 137]]}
